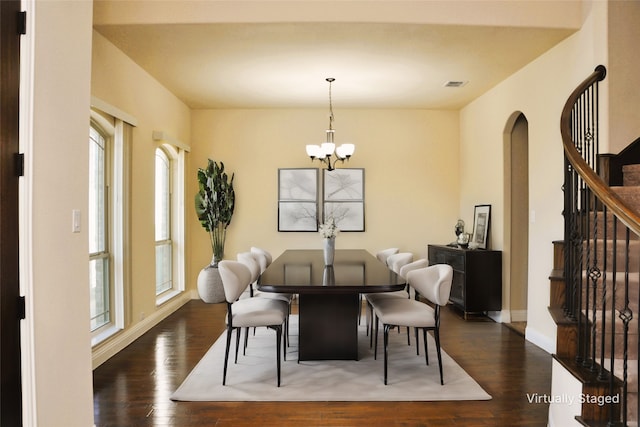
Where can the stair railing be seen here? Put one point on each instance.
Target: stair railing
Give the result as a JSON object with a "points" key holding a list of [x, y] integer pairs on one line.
{"points": [[597, 234]]}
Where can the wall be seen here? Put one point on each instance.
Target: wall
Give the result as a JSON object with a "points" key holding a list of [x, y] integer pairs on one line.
{"points": [[411, 167], [57, 389], [622, 73], [118, 81], [539, 91]]}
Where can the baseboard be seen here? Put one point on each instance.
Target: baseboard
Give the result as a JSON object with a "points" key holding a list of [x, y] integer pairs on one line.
{"points": [[518, 315], [499, 316], [110, 348], [539, 339]]}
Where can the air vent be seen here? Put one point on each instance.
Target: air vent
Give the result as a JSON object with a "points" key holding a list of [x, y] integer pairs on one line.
{"points": [[455, 83]]}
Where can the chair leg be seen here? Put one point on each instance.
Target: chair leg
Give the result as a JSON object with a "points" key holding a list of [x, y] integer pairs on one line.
{"points": [[424, 338], [436, 335], [417, 342], [278, 344], [408, 335], [386, 350], [285, 340], [246, 341], [226, 356], [285, 345], [238, 330], [286, 327], [375, 348], [370, 323]]}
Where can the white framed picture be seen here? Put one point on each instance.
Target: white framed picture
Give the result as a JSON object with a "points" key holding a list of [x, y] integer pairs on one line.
{"points": [[481, 222], [343, 184], [297, 216], [349, 216], [297, 184]]}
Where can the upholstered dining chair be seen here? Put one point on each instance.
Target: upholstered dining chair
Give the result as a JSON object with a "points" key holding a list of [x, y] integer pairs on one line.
{"points": [[394, 261], [384, 254], [249, 312], [267, 255], [402, 272], [251, 261], [264, 259], [433, 283]]}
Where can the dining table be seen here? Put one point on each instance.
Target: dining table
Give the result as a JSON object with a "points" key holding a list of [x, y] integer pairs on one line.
{"points": [[329, 296]]}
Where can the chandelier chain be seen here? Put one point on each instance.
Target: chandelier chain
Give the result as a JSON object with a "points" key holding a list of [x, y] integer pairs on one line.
{"points": [[331, 118]]}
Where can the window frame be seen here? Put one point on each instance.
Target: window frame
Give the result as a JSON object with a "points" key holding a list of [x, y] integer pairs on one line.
{"points": [[176, 156], [167, 234], [118, 235], [106, 131]]}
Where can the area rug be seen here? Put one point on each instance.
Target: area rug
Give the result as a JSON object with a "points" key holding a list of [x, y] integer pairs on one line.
{"points": [[253, 378]]}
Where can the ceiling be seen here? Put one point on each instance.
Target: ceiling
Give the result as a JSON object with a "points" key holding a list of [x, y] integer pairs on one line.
{"points": [[285, 64]]}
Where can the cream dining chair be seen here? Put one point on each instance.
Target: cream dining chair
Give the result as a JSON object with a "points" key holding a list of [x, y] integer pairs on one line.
{"points": [[249, 312], [382, 256], [265, 259], [432, 283], [252, 262], [385, 253], [403, 268], [395, 262]]}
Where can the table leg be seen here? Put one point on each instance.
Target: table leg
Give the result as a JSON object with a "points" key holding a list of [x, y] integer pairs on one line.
{"points": [[328, 328]]}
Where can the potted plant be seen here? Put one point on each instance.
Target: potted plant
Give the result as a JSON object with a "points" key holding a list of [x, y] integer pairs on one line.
{"points": [[214, 203]]}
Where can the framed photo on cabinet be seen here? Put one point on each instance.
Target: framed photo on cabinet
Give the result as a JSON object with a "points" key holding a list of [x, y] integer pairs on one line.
{"points": [[481, 223]]}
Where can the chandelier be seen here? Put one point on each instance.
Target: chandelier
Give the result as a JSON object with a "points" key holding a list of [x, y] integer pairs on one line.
{"points": [[325, 152]]}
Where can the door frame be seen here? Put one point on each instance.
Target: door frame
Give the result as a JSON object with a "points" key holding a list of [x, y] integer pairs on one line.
{"points": [[10, 170]]}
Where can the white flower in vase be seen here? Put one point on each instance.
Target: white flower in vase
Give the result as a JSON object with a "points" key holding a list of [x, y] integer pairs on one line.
{"points": [[329, 230]]}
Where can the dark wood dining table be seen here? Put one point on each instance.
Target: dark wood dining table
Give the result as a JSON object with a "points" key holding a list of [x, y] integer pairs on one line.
{"points": [[329, 297]]}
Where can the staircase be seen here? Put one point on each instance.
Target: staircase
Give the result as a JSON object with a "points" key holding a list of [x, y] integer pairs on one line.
{"points": [[629, 192], [594, 293]]}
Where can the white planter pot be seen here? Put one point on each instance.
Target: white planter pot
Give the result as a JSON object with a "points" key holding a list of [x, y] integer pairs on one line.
{"points": [[210, 286]]}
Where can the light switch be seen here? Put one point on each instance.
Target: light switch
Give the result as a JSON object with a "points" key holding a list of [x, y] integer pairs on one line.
{"points": [[75, 221]]}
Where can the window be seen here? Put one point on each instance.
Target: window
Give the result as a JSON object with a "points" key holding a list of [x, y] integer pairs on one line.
{"points": [[99, 274], [169, 219], [163, 219], [108, 228]]}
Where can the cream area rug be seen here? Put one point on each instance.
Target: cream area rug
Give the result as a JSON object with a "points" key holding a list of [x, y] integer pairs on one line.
{"points": [[253, 378]]}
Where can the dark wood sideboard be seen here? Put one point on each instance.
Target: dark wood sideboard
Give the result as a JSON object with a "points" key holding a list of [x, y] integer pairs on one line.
{"points": [[477, 277]]}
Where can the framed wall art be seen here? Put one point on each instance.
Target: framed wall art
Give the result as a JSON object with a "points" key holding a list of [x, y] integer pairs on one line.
{"points": [[298, 199], [481, 223], [343, 185], [343, 198]]}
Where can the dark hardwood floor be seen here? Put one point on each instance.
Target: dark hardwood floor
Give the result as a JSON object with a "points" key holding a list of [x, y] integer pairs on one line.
{"points": [[133, 387]]}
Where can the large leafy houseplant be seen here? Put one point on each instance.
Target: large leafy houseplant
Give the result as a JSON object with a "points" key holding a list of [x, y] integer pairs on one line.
{"points": [[215, 202]]}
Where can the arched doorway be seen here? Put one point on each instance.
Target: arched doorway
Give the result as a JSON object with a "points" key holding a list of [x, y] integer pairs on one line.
{"points": [[517, 177]]}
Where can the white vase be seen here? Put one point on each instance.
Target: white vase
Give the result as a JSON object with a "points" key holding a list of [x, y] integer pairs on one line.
{"points": [[210, 286], [329, 250]]}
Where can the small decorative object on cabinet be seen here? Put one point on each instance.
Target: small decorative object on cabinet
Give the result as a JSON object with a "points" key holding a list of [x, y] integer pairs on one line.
{"points": [[477, 277]]}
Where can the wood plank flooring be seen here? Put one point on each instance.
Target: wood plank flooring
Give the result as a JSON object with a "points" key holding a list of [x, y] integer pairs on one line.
{"points": [[133, 387]]}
